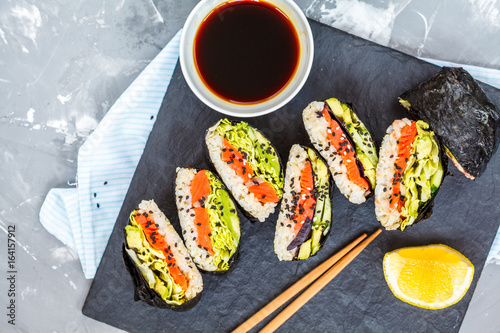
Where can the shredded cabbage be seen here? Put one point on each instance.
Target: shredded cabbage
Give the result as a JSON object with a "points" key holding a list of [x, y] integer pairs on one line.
{"points": [[423, 174], [260, 154], [151, 264]]}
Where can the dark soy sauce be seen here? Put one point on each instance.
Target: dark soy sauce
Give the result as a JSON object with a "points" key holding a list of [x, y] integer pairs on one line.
{"points": [[246, 52]]}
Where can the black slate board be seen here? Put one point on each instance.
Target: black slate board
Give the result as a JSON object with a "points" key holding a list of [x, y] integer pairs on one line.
{"points": [[466, 213]]}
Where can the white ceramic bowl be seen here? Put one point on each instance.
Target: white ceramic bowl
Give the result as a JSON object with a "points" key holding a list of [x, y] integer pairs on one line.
{"points": [[187, 60]]}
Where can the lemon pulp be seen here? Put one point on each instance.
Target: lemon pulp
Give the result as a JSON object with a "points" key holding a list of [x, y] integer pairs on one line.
{"points": [[431, 277]]}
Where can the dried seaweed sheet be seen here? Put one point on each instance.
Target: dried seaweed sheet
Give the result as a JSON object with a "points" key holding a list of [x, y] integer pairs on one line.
{"points": [[460, 113]]}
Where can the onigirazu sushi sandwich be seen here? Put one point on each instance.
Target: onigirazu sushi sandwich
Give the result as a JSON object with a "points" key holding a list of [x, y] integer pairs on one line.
{"points": [[458, 110], [346, 145], [209, 220], [162, 271], [249, 166], [409, 174], [305, 215]]}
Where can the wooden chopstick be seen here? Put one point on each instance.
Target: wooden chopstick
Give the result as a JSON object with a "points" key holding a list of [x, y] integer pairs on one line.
{"points": [[295, 288], [317, 286]]}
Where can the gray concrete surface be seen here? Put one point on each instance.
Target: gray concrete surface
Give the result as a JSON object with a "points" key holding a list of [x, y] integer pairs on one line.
{"points": [[63, 64]]}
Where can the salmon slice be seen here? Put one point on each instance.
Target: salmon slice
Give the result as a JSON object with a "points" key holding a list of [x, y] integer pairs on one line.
{"points": [[236, 161], [157, 241], [307, 201], [200, 189], [346, 151], [405, 147], [203, 229], [200, 186], [264, 192]]}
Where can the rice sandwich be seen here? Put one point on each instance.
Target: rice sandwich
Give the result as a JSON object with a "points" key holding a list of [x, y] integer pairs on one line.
{"points": [[346, 145], [305, 216], [209, 220], [163, 273], [409, 173], [249, 166], [460, 113]]}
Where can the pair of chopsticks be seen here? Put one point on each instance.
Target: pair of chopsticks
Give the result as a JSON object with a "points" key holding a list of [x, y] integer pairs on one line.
{"points": [[332, 266]]}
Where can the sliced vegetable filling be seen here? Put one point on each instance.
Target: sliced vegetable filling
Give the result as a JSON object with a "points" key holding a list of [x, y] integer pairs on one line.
{"points": [[418, 172], [346, 151], [208, 217], [253, 159], [366, 152], [305, 214], [157, 241]]}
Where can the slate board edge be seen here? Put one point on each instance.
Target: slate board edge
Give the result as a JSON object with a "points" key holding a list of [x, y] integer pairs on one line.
{"points": [[120, 223]]}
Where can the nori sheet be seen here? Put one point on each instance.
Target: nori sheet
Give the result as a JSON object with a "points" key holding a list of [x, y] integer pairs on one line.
{"points": [[358, 300], [460, 113]]}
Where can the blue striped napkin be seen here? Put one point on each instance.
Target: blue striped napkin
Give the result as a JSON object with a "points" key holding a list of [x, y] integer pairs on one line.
{"points": [[83, 217]]}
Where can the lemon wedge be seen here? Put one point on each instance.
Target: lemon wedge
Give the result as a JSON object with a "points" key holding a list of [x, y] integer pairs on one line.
{"points": [[431, 277]]}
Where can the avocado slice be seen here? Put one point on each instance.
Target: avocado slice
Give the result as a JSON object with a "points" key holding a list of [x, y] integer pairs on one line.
{"points": [[305, 250], [224, 223], [365, 147], [322, 213]]}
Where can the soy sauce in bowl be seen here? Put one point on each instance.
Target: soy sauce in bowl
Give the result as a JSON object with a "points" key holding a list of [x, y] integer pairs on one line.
{"points": [[246, 51]]}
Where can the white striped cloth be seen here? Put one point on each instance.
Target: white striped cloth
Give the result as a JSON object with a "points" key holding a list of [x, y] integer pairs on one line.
{"points": [[83, 217]]}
